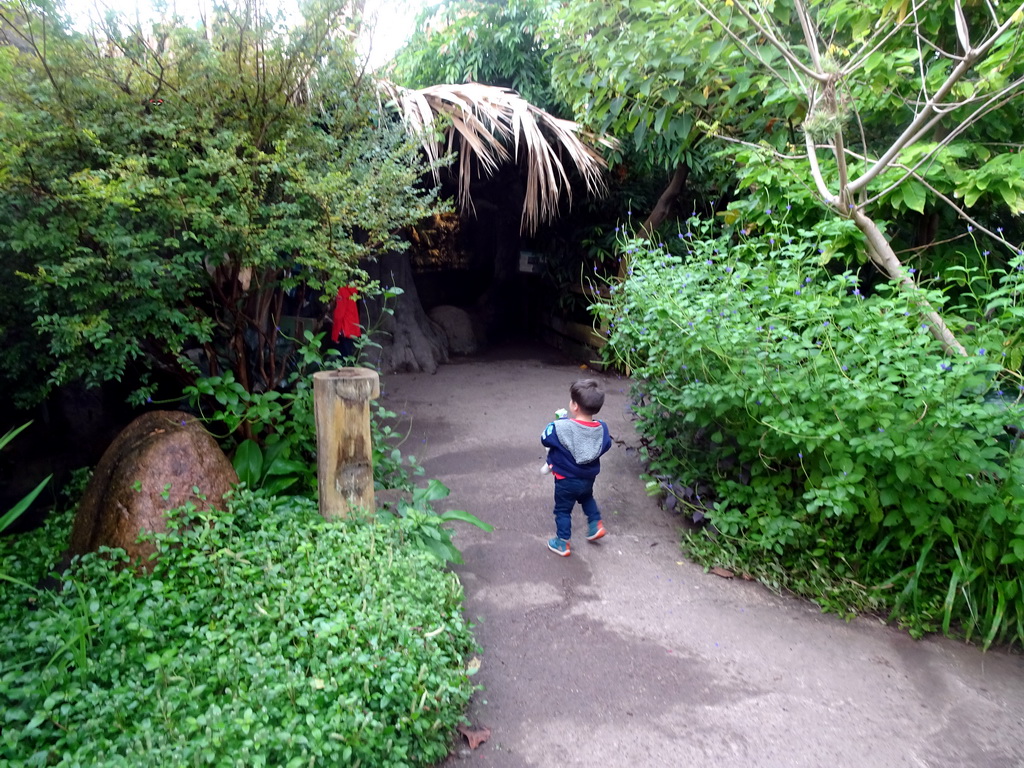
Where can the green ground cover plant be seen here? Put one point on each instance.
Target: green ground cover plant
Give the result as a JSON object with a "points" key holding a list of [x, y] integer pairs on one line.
{"points": [[820, 432], [265, 635]]}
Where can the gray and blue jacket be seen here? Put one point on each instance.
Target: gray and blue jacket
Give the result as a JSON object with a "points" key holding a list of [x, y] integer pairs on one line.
{"points": [[576, 447]]}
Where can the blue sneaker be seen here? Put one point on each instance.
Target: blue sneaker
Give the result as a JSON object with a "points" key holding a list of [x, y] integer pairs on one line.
{"points": [[559, 546], [595, 530]]}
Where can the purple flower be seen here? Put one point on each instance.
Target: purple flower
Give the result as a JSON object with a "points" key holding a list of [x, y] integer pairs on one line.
{"points": [[981, 352], [797, 293], [946, 366], [789, 207]]}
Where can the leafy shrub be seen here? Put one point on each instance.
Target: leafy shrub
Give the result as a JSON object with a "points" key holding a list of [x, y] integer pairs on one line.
{"points": [[266, 636], [831, 444], [279, 453]]}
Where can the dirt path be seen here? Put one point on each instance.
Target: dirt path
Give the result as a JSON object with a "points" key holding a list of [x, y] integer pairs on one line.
{"points": [[624, 654]]}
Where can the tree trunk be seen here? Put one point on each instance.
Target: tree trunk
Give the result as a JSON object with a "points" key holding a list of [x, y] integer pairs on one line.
{"points": [[409, 340], [663, 208], [885, 258], [661, 211]]}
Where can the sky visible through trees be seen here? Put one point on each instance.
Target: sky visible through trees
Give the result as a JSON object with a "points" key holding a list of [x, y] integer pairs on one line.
{"points": [[389, 22]]}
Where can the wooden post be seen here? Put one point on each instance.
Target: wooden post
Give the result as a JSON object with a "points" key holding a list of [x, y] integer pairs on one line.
{"points": [[341, 403]]}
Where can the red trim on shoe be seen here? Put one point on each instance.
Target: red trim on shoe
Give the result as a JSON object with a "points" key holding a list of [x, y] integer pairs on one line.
{"points": [[601, 531]]}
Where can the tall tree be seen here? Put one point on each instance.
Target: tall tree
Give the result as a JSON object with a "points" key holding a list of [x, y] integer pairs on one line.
{"points": [[481, 41], [877, 107], [169, 196], [958, 71]]}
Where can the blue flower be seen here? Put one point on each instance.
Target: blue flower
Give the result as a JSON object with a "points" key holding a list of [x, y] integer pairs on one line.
{"points": [[797, 293], [981, 352]]}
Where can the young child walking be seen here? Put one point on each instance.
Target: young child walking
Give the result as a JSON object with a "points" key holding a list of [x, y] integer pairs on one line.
{"points": [[576, 445]]}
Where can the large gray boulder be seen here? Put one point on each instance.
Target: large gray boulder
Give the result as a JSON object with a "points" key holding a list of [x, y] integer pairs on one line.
{"points": [[150, 467], [458, 327]]}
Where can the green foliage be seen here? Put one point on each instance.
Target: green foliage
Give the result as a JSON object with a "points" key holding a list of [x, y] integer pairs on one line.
{"points": [[263, 636], [424, 529], [458, 41], [657, 75], [8, 517], [19, 509], [822, 432], [169, 196], [277, 450]]}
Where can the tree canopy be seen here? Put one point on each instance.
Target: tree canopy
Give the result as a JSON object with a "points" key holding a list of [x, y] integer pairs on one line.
{"points": [[170, 195]]}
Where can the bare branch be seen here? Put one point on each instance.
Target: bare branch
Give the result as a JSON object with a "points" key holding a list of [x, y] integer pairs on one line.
{"points": [[928, 112], [819, 179], [793, 63], [857, 62], [997, 101]]}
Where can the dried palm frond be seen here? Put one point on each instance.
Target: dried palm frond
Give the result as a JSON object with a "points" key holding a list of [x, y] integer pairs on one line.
{"points": [[482, 122]]}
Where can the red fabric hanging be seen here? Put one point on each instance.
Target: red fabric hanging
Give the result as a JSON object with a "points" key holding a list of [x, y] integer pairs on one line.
{"points": [[346, 315]]}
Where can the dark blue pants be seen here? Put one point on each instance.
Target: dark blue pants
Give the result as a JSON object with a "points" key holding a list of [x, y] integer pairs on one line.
{"points": [[567, 493]]}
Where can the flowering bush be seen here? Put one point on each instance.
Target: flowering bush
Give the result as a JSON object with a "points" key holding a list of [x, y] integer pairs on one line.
{"points": [[820, 429]]}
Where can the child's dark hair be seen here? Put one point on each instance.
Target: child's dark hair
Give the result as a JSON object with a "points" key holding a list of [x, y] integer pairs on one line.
{"points": [[587, 394]]}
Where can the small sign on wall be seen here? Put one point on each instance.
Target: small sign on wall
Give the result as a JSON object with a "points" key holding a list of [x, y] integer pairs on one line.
{"points": [[529, 262]]}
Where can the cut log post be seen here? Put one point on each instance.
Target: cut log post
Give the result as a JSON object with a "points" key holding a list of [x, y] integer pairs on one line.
{"points": [[341, 403]]}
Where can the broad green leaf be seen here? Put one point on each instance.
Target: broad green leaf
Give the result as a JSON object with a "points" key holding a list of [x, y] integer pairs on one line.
{"points": [[248, 463]]}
